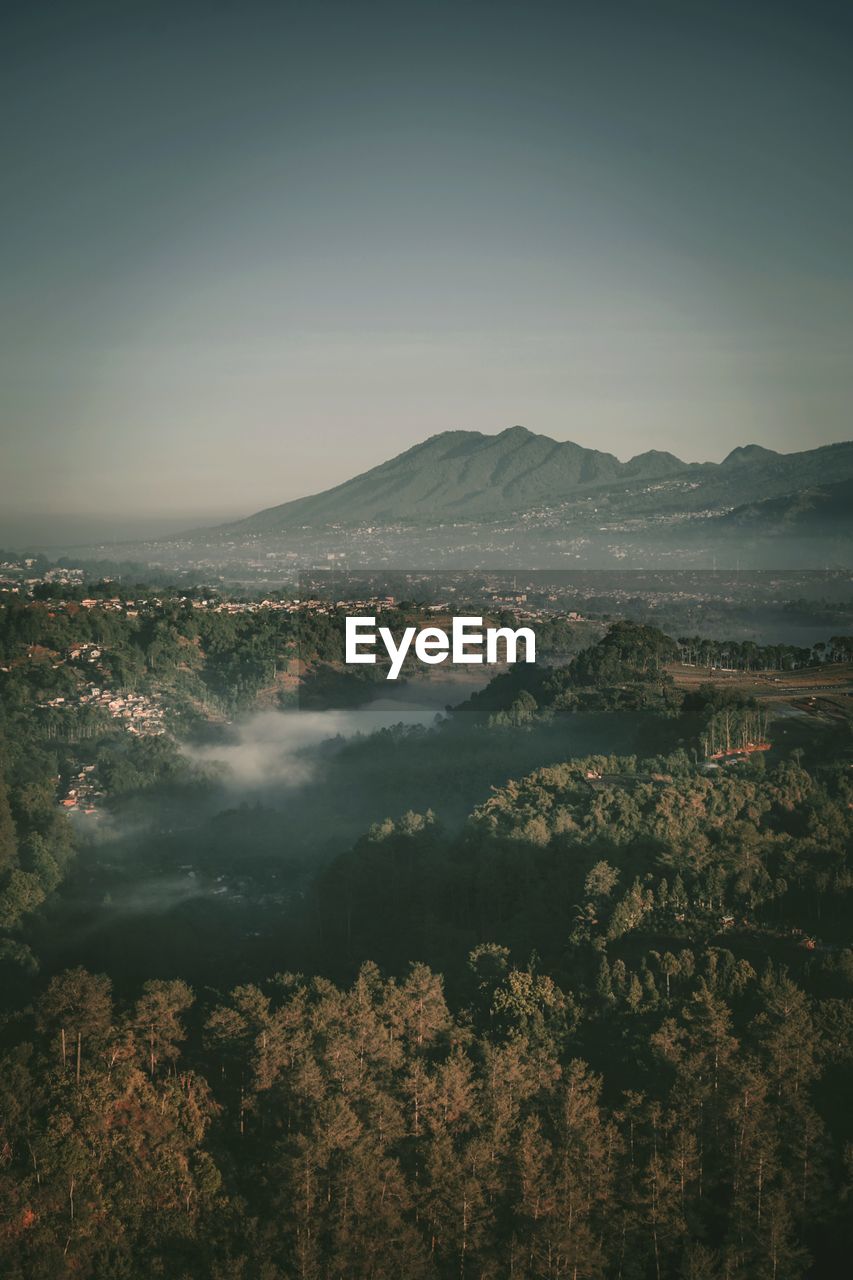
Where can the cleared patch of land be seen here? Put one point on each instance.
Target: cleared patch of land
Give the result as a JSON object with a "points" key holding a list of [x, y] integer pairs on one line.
{"points": [[823, 692]]}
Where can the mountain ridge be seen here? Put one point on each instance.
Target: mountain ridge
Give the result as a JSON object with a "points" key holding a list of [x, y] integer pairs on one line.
{"points": [[462, 476]]}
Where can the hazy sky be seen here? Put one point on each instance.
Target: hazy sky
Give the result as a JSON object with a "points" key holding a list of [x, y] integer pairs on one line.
{"points": [[251, 249]]}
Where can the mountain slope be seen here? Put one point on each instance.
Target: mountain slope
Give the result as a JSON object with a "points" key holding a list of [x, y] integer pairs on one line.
{"points": [[818, 510], [465, 475]]}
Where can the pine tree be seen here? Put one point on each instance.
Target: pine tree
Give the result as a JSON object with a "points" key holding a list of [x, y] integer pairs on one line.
{"points": [[8, 838]]}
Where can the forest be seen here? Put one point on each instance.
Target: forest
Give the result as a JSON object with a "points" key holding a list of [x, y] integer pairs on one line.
{"points": [[592, 1020]]}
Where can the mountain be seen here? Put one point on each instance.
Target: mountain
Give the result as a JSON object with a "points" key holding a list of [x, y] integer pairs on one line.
{"points": [[455, 475], [467, 476], [811, 512], [749, 453]]}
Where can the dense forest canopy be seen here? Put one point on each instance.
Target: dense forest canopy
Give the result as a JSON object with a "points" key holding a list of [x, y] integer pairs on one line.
{"points": [[594, 1023]]}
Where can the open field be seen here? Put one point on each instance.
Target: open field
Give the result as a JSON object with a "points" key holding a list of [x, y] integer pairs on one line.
{"points": [[824, 692]]}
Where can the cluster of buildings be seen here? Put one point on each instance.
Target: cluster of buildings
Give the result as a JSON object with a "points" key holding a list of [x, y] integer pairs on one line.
{"points": [[83, 791], [111, 604], [215, 604], [141, 713], [86, 652], [25, 572]]}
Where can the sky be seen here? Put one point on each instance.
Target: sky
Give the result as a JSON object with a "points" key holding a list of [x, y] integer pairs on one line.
{"points": [[250, 250]]}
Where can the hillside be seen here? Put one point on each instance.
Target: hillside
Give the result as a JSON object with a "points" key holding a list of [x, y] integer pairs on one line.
{"points": [[818, 509], [465, 475], [461, 475]]}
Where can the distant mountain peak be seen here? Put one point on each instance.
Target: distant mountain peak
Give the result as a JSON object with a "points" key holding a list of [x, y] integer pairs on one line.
{"points": [[462, 476], [653, 463], [748, 453]]}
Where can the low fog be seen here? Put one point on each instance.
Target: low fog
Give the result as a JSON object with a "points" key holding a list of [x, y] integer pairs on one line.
{"points": [[284, 749], [216, 874]]}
